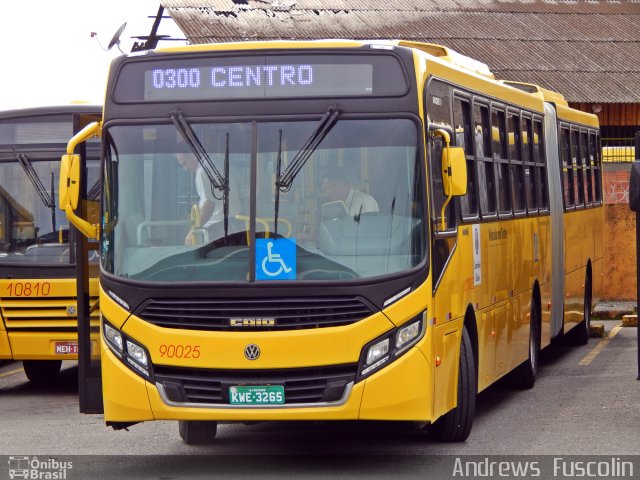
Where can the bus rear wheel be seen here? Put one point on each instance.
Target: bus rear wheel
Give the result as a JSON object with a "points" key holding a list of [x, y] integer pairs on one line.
{"points": [[41, 372], [455, 426], [582, 330], [195, 432], [525, 375]]}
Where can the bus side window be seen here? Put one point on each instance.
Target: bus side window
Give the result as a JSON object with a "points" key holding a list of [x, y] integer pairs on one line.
{"points": [[441, 247], [439, 116], [593, 166], [584, 167], [515, 158], [464, 139], [567, 171], [486, 173], [539, 159], [575, 166], [598, 171], [529, 168], [501, 159]]}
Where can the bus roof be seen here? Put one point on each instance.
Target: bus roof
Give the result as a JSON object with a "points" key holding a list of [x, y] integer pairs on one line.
{"points": [[50, 110], [460, 68]]}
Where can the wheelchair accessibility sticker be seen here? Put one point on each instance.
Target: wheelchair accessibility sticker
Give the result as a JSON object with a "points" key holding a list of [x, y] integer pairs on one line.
{"points": [[275, 259]]}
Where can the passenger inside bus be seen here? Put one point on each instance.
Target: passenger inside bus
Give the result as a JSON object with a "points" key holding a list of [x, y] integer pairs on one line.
{"points": [[210, 206]]}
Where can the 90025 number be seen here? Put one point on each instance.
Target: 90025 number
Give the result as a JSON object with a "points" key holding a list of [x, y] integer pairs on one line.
{"points": [[180, 351]]}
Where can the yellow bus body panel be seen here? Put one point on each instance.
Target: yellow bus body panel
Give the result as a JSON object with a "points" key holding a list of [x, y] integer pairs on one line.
{"points": [[386, 395], [53, 311], [302, 348], [400, 391], [124, 393], [5, 347]]}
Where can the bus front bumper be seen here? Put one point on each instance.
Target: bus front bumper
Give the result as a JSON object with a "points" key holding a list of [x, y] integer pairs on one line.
{"points": [[43, 345], [401, 391]]}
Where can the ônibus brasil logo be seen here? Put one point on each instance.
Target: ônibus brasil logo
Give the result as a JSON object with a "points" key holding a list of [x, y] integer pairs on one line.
{"points": [[36, 469]]}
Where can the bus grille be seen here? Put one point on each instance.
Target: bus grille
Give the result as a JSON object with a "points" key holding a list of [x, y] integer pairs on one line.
{"points": [[301, 385], [43, 313], [255, 314]]}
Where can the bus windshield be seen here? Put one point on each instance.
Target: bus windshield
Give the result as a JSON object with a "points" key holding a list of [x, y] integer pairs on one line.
{"points": [[352, 208], [32, 227]]}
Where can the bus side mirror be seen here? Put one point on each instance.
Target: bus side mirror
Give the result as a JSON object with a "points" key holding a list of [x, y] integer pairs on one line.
{"points": [[69, 186], [454, 171]]}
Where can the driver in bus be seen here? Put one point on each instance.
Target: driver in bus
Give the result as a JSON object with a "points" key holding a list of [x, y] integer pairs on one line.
{"points": [[337, 186]]}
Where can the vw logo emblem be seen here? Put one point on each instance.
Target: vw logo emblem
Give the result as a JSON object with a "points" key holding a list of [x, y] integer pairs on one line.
{"points": [[252, 351]]}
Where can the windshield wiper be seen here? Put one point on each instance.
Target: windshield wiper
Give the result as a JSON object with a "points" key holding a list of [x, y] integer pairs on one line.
{"points": [[277, 200], [327, 122], [25, 163], [217, 180], [225, 197], [45, 197]]}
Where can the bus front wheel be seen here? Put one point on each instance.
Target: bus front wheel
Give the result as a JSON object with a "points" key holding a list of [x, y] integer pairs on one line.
{"points": [[41, 372], [455, 425], [197, 432]]}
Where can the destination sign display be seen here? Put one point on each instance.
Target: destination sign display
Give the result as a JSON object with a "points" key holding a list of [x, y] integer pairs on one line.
{"points": [[281, 76]]}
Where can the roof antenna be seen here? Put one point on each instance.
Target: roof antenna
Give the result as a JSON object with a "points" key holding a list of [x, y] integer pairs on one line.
{"points": [[149, 42], [114, 41]]}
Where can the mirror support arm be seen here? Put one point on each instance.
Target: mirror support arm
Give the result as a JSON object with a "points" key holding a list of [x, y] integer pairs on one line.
{"points": [[92, 130], [89, 230], [446, 174]]}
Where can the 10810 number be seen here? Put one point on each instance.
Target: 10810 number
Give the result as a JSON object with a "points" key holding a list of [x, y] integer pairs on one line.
{"points": [[28, 289]]}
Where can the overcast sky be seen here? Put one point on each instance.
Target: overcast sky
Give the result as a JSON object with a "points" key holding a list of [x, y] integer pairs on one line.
{"points": [[47, 55]]}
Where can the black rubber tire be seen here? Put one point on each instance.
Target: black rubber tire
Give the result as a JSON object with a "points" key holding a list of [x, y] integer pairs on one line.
{"points": [[455, 425], [524, 376], [197, 432], [581, 332], [42, 372]]}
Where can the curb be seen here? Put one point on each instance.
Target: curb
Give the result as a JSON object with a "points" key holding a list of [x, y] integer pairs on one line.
{"points": [[596, 331]]}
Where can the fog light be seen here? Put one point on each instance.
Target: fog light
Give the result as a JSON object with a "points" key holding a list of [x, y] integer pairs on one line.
{"points": [[113, 337], [137, 353]]}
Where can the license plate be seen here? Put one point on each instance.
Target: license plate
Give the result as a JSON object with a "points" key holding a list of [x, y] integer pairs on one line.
{"points": [[67, 348], [256, 395]]}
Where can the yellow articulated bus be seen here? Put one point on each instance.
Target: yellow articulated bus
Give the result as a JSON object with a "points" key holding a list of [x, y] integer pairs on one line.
{"points": [[37, 252], [333, 230]]}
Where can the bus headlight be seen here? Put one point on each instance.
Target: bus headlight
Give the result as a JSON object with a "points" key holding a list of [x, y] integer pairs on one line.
{"points": [[391, 345], [377, 351], [113, 338], [406, 335], [135, 356], [137, 353]]}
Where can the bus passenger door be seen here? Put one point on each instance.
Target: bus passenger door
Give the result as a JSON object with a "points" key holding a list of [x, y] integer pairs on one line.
{"points": [[87, 268]]}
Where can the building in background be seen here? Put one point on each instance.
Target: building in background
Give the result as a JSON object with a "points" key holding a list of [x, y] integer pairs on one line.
{"points": [[588, 50]]}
